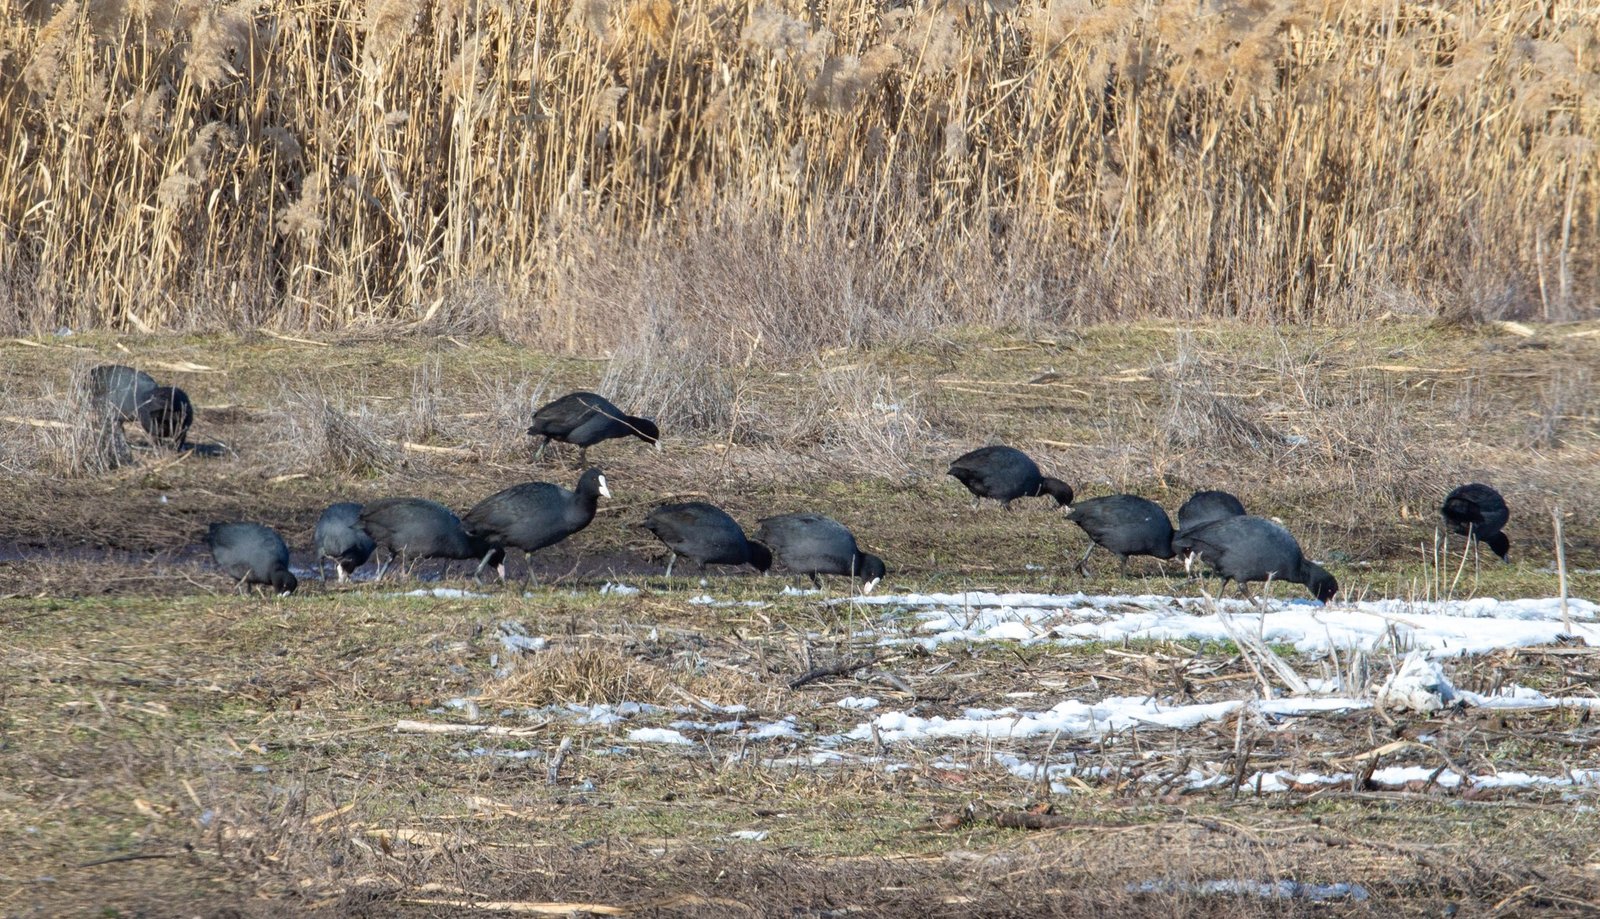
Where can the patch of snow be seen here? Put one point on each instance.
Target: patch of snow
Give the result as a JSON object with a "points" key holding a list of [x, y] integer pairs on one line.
{"points": [[790, 590], [859, 703], [443, 593], [784, 728], [751, 835], [1270, 890], [618, 590], [1419, 685], [515, 638], [708, 600], [1441, 629], [658, 735]]}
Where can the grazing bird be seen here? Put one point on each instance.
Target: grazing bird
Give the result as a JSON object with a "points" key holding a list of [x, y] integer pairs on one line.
{"points": [[1125, 525], [1246, 549], [165, 414], [1005, 474], [253, 554], [339, 536], [1206, 506], [1478, 511], [706, 535], [120, 389], [813, 544], [416, 528], [584, 419], [533, 515]]}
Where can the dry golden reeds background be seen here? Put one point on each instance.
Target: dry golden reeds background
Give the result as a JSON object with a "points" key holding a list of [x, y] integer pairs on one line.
{"points": [[784, 177]]}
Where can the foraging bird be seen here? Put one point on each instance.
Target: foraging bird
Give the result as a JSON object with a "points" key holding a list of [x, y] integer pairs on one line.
{"points": [[1206, 506], [1005, 474], [415, 528], [813, 544], [1246, 549], [533, 515], [706, 535], [165, 413], [253, 554], [1478, 511], [120, 389], [339, 536], [1125, 525], [584, 419]]}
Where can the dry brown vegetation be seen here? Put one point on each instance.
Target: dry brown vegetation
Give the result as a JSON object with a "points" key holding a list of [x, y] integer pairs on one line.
{"points": [[788, 177]]}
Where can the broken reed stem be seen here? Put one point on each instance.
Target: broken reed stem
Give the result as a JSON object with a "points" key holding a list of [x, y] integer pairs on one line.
{"points": [[1561, 569]]}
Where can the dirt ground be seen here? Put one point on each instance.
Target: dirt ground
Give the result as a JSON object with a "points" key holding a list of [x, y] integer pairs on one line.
{"points": [[168, 748]]}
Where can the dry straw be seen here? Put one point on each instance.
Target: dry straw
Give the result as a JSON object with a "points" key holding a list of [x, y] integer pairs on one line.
{"points": [[175, 163]]}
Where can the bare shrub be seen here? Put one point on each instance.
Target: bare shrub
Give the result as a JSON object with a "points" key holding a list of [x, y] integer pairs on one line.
{"points": [[594, 671], [424, 409], [325, 436], [682, 387], [67, 432], [861, 419], [1196, 414], [1564, 399]]}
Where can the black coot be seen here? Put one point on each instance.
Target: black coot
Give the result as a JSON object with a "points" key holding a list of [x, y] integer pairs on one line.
{"points": [[584, 419], [1005, 474], [706, 535], [165, 414], [1246, 549], [120, 389], [413, 528], [813, 544], [339, 537], [1206, 506], [252, 554], [1125, 525], [533, 515], [1478, 511]]}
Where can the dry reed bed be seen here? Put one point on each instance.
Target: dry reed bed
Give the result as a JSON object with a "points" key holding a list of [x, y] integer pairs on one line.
{"points": [[779, 177]]}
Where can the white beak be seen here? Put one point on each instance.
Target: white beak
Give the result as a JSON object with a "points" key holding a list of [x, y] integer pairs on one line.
{"points": [[1188, 563], [604, 491], [867, 587], [658, 445]]}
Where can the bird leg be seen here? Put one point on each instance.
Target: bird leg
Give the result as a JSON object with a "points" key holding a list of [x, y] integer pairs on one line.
{"points": [[583, 457], [538, 454], [1083, 568], [243, 587], [322, 567], [477, 573], [816, 580], [1122, 568], [671, 560]]}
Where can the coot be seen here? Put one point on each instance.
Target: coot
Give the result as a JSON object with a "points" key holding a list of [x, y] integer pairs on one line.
{"points": [[1206, 506], [813, 544], [252, 554], [120, 389], [1246, 549], [339, 537], [533, 515], [1005, 474], [584, 419], [165, 414], [706, 535], [1126, 525], [414, 528], [1478, 511]]}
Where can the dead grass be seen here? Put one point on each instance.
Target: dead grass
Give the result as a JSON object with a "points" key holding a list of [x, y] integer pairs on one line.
{"points": [[811, 178]]}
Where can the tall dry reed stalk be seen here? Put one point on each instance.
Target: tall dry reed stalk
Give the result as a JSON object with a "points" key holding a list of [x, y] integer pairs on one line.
{"points": [[185, 163]]}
